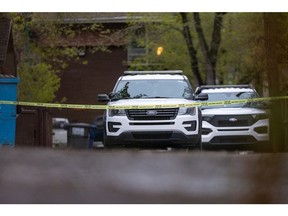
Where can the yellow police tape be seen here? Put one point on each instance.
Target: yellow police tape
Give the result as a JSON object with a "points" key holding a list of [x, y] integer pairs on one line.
{"points": [[157, 106]]}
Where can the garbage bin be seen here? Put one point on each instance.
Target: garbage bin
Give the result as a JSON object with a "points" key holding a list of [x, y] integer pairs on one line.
{"points": [[78, 135], [8, 92]]}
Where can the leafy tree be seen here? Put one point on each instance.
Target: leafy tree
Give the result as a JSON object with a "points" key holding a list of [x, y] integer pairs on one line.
{"points": [[159, 30], [191, 49], [276, 55], [42, 49], [234, 53], [183, 37], [242, 52], [38, 82], [209, 53], [185, 33]]}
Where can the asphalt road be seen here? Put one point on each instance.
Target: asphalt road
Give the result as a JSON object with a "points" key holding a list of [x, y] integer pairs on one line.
{"points": [[65, 176]]}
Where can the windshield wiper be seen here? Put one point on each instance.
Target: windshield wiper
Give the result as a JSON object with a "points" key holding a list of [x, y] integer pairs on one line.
{"points": [[239, 94], [157, 97]]}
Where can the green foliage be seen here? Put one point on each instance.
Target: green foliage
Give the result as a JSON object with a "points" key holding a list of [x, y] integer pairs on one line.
{"points": [[38, 82], [165, 30], [46, 42], [242, 52], [241, 57]]}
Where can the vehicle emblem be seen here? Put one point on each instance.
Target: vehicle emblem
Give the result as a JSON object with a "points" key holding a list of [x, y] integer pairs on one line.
{"points": [[232, 119], [151, 112]]}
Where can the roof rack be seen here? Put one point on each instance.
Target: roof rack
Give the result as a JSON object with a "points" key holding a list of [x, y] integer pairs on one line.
{"points": [[153, 72], [200, 88]]}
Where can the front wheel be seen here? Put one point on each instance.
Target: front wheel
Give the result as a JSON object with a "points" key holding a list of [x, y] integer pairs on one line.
{"points": [[199, 144], [106, 142]]}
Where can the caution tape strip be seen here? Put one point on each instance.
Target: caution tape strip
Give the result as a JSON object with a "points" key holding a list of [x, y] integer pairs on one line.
{"points": [[157, 106]]}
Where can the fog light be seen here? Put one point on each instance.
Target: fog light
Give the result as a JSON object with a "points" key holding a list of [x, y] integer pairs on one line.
{"points": [[206, 131], [111, 127], [192, 125], [261, 130]]}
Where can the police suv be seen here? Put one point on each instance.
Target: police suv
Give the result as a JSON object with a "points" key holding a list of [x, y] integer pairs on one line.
{"points": [[244, 124], [165, 115]]}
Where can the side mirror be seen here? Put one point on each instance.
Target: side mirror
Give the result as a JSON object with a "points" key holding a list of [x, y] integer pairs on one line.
{"points": [[103, 98], [264, 105], [201, 96], [111, 95]]}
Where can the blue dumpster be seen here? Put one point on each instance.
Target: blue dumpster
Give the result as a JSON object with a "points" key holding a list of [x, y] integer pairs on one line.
{"points": [[8, 92]]}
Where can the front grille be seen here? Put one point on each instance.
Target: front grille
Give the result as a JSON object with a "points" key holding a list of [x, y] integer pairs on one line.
{"points": [[232, 121], [152, 136], [152, 114], [152, 123]]}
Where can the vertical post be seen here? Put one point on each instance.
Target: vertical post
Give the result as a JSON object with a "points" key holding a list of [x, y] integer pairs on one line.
{"points": [[273, 33]]}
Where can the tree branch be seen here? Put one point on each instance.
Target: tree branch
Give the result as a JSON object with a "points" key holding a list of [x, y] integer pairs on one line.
{"points": [[192, 51]]}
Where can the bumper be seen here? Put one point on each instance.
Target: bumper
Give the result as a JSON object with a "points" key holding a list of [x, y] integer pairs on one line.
{"points": [[154, 139], [181, 131], [257, 133], [188, 125]]}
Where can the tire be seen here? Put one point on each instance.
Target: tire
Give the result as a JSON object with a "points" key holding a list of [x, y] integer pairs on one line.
{"points": [[199, 144], [105, 140], [107, 144]]}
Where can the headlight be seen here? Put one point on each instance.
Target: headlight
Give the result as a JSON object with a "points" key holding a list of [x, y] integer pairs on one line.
{"points": [[117, 112], [207, 118], [187, 111], [261, 116]]}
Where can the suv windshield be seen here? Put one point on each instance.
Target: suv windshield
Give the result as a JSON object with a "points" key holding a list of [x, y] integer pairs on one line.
{"points": [[220, 96], [154, 88]]}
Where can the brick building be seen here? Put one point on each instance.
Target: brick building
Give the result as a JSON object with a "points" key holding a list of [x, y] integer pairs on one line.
{"points": [[81, 83]]}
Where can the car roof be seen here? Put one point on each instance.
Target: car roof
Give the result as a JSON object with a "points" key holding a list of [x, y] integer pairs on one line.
{"points": [[153, 72], [153, 76], [224, 88]]}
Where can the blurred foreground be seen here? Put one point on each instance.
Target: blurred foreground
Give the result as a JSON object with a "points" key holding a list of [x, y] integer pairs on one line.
{"points": [[60, 176]]}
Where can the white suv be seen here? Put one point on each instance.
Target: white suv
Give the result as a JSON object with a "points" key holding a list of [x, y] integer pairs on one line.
{"points": [[237, 124], [170, 127]]}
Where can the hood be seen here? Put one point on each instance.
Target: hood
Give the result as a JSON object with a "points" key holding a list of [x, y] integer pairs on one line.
{"points": [[232, 111], [150, 101]]}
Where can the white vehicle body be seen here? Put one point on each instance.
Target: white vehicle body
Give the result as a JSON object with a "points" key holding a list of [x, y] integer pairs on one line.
{"points": [[236, 124], [170, 126]]}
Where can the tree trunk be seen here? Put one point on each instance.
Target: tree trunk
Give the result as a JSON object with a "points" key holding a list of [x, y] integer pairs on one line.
{"points": [[215, 42], [210, 56], [210, 78], [192, 51], [272, 34]]}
